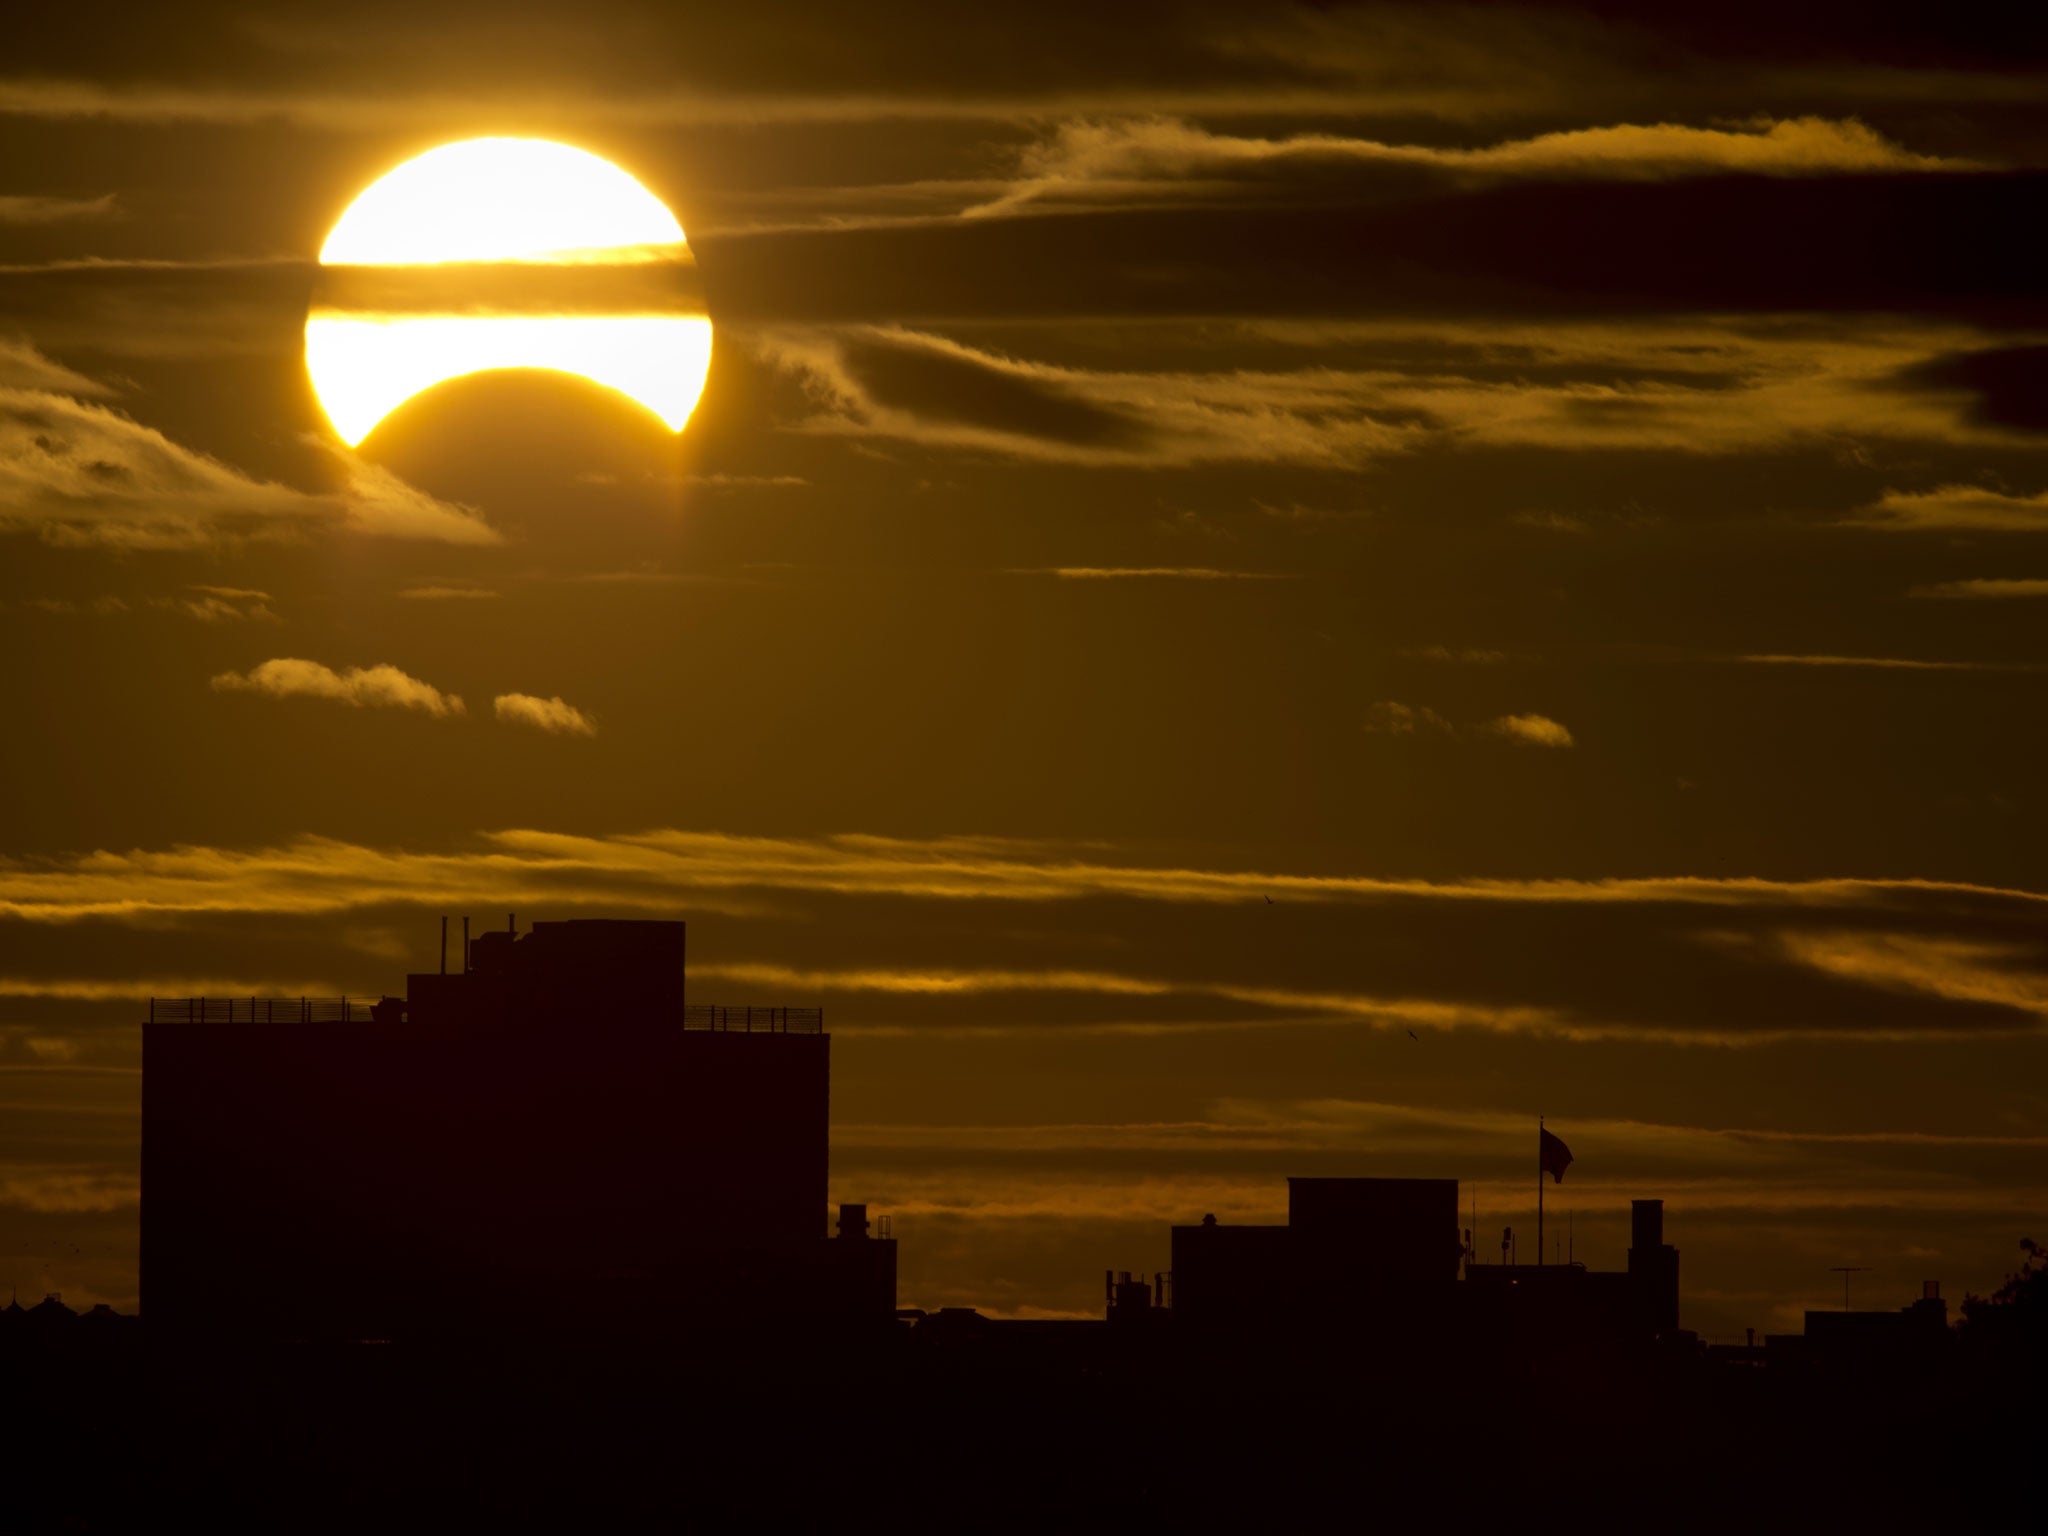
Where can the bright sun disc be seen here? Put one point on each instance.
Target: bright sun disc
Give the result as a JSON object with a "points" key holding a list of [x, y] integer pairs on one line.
{"points": [[505, 253]]}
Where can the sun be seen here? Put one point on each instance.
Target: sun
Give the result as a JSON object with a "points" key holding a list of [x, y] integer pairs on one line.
{"points": [[505, 253]]}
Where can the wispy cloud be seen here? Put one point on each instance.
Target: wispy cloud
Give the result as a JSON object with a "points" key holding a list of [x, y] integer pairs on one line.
{"points": [[723, 481], [1843, 960], [107, 605], [1531, 730], [1149, 573], [1351, 1007], [1385, 389], [435, 594], [81, 473], [1134, 159], [1987, 587], [886, 381], [208, 604], [1146, 159], [56, 210], [552, 715], [1963, 970], [1958, 507], [644, 871], [215, 605], [1468, 655], [22, 367], [1389, 717], [1888, 663], [380, 686], [1245, 1124], [46, 1190]]}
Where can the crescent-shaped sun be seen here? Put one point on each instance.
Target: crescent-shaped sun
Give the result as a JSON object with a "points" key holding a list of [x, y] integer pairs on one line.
{"points": [[505, 253]]}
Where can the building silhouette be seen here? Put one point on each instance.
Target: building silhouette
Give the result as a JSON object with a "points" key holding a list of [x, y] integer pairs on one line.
{"points": [[1354, 1253], [549, 1130], [545, 1158], [1907, 1342]]}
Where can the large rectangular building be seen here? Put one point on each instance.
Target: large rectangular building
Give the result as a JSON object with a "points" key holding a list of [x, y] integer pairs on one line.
{"points": [[550, 1131]]}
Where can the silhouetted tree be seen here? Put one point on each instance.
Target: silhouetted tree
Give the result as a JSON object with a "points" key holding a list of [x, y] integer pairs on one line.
{"points": [[2010, 1326]]}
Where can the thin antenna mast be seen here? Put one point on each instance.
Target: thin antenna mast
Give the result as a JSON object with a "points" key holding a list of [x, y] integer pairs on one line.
{"points": [[1845, 1271]]}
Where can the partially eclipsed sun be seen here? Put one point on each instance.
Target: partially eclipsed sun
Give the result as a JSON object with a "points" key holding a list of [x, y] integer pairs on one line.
{"points": [[505, 253]]}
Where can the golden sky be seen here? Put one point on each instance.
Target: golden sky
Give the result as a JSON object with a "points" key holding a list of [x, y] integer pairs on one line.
{"points": [[1555, 497]]}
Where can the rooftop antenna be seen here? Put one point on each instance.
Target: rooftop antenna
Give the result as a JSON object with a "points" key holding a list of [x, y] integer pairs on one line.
{"points": [[444, 946], [511, 926], [1571, 1236], [465, 946], [1845, 1271]]}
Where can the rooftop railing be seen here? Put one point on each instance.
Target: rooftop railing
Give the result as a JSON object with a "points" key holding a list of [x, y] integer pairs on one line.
{"points": [[754, 1021], [259, 1010], [749, 1020]]}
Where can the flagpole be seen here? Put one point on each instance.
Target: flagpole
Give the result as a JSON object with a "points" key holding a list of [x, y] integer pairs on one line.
{"points": [[1539, 1191]]}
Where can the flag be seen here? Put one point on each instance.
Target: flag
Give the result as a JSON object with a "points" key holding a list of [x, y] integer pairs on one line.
{"points": [[1552, 1155]]}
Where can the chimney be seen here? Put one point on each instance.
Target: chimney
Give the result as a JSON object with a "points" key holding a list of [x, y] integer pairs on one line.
{"points": [[1646, 1224], [853, 1221]]}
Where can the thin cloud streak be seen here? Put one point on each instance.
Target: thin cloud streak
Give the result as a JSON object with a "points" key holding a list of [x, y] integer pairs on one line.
{"points": [[1696, 388], [1267, 1125], [1141, 160], [643, 871], [1956, 507], [1390, 717], [82, 989], [430, 594], [56, 210], [1848, 942], [1875, 963], [1986, 588], [1149, 573], [1381, 1012], [1889, 663]]}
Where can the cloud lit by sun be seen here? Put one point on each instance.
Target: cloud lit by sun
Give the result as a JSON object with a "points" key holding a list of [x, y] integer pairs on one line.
{"points": [[443, 267]]}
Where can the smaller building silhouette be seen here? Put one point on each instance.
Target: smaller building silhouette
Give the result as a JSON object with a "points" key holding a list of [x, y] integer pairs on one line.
{"points": [[1910, 1341], [1355, 1254]]}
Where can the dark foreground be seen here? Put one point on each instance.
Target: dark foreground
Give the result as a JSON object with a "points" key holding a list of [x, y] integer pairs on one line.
{"points": [[710, 1436]]}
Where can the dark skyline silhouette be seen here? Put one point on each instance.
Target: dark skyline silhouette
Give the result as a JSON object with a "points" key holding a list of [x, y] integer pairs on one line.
{"points": [[554, 1117], [1411, 627], [563, 1082], [661, 1154]]}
